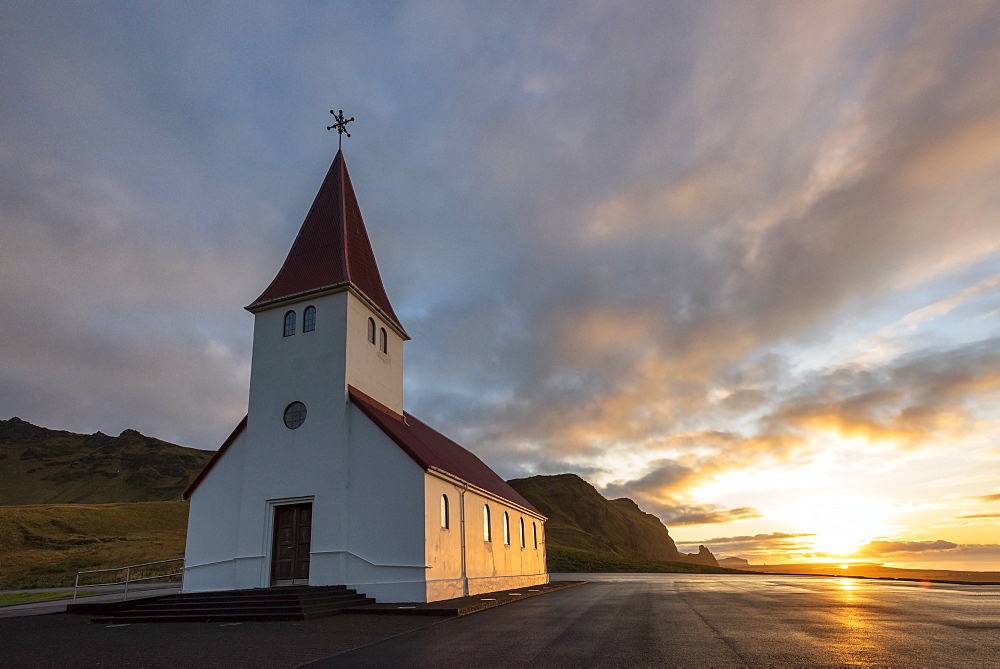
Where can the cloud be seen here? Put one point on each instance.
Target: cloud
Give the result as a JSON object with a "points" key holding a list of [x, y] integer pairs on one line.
{"points": [[882, 548], [637, 273], [705, 514], [921, 397], [757, 544], [995, 497]]}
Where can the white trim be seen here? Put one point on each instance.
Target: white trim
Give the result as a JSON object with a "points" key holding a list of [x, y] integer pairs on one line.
{"points": [[374, 564]]}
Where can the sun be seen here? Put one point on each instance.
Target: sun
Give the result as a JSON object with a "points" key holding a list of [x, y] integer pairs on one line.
{"points": [[841, 524]]}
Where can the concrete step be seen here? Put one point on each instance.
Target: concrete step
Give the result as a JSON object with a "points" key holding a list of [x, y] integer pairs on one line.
{"points": [[243, 602], [256, 608], [262, 593], [263, 604]]}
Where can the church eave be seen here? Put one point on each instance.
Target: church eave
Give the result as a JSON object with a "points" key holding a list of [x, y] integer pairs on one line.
{"points": [[437, 452], [451, 478], [332, 289]]}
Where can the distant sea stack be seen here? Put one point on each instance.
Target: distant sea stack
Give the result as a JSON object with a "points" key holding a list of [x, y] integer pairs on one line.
{"points": [[581, 518], [734, 563]]}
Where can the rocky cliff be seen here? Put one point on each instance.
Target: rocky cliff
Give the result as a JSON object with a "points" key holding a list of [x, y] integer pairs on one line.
{"points": [[583, 519]]}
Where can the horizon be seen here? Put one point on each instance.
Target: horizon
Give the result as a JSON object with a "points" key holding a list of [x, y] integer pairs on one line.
{"points": [[738, 263]]}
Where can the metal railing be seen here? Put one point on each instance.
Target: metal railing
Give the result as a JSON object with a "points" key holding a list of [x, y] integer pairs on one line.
{"points": [[135, 573]]}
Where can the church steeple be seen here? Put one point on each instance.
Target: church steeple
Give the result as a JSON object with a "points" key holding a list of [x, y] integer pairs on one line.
{"points": [[331, 250]]}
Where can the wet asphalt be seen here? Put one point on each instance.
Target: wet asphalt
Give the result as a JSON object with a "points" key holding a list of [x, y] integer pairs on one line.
{"points": [[617, 620]]}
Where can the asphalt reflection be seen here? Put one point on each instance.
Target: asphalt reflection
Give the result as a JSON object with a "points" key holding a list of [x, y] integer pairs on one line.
{"points": [[708, 619]]}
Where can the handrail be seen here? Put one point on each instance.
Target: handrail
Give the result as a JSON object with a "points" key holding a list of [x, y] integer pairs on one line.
{"points": [[128, 575]]}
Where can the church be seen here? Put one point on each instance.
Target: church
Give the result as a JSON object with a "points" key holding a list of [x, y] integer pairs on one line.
{"points": [[328, 480]]}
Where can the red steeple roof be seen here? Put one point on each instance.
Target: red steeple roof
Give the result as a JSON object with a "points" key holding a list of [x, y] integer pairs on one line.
{"points": [[331, 249]]}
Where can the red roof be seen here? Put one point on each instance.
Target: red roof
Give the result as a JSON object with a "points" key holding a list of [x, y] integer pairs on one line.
{"points": [[429, 448], [332, 248], [425, 445]]}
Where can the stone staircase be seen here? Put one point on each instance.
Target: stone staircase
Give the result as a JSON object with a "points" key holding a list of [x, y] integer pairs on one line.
{"points": [[263, 604]]}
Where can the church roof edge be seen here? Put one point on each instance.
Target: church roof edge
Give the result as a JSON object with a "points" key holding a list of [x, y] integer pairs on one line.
{"points": [[433, 451], [215, 458]]}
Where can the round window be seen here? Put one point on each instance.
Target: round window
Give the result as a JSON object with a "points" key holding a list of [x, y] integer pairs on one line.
{"points": [[295, 415]]}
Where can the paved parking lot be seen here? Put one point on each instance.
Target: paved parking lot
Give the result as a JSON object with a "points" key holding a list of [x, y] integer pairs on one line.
{"points": [[634, 620]]}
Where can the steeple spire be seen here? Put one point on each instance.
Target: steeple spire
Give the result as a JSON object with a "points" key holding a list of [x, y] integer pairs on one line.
{"points": [[331, 250]]}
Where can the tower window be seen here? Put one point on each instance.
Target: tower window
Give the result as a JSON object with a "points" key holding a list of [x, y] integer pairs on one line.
{"points": [[295, 415], [534, 535], [383, 340], [506, 529], [289, 323], [309, 319], [444, 512], [522, 532], [487, 533], [371, 330]]}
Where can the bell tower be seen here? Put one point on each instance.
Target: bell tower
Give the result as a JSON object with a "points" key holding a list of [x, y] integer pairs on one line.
{"points": [[325, 321]]}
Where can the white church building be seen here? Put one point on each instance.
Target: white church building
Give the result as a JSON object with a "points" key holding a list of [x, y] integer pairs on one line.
{"points": [[327, 480]]}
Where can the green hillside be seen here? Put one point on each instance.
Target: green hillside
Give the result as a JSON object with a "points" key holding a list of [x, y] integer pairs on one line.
{"points": [[43, 546], [581, 519], [570, 560], [42, 466]]}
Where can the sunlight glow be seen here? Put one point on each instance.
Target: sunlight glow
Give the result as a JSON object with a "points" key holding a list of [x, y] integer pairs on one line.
{"points": [[841, 523], [846, 584]]}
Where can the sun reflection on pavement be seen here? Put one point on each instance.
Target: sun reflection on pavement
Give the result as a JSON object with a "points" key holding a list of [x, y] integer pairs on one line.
{"points": [[853, 637]]}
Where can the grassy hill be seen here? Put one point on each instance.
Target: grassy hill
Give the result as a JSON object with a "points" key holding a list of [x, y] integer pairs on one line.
{"points": [[581, 519], [43, 546], [42, 466], [570, 560]]}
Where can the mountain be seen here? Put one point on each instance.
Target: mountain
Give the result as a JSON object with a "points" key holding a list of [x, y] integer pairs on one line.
{"points": [[42, 466], [580, 518]]}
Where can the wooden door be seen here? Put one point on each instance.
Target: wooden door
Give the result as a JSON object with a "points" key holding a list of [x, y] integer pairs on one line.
{"points": [[290, 553]]}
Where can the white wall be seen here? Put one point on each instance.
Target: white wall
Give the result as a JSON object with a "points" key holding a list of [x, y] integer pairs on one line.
{"points": [[384, 523], [489, 566], [305, 463], [377, 374], [209, 562], [365, 491]]}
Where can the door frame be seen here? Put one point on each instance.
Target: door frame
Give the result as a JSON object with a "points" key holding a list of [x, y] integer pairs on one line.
{"points": [[270, 518]]}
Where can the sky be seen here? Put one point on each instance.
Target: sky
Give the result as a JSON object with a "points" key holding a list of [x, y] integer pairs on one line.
{"points": [[738, 261]]}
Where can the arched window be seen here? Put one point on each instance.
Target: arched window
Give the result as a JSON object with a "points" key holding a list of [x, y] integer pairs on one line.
{"points": [[487, 534], [371, 330], [383, 340], [289, 323], [534, 535], [506, 529], [309, 319], [444, 511], [522, 532]]}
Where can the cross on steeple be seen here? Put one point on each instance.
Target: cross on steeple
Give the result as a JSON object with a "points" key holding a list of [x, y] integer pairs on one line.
{"points": [[341, 125]]}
